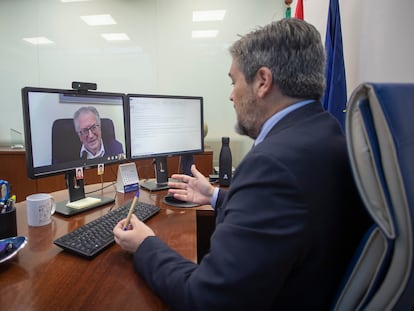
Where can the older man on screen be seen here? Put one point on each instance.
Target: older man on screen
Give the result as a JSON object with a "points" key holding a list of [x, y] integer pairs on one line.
{"points": [[87, 124]]}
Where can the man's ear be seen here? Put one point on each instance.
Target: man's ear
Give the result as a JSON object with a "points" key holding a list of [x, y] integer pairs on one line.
{"points": [[263, 81]]}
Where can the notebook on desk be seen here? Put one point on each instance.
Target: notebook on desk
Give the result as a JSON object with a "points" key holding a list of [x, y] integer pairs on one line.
{"points": [[72, 208]]}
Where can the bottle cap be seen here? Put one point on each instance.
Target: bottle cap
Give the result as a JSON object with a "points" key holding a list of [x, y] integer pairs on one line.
{"points": [[225, 140]]}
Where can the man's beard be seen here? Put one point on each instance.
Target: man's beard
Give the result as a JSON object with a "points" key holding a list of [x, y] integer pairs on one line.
{"points": [[247, 119], [240, 129]]}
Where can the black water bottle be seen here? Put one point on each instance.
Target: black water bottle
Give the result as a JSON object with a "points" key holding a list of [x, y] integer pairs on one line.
{"points": [[225, 162]]}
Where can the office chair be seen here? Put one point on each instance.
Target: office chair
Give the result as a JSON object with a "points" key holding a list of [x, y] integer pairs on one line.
{"points": [[65, 141], [380, 138]]}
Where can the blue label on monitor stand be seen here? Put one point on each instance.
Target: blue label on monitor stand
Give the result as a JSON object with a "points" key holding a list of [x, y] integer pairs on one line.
{"points": [[131, 187]]}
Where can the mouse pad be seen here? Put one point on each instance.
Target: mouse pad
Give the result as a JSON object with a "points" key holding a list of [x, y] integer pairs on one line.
{"points": [[170, 200]]}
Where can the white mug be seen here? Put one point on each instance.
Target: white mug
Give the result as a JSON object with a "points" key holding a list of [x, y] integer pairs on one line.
{"points": [[40, 208]]}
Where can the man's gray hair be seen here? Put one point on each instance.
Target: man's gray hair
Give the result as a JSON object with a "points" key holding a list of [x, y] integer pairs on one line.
{"points": [[292, 49], [85, 110]]}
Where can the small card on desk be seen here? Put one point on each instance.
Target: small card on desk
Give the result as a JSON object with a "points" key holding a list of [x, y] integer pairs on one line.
{"points": [[127, 180]]}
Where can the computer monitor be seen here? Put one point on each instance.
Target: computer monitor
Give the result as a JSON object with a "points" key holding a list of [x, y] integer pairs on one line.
{"points": [[67, 131], [162, 126]]}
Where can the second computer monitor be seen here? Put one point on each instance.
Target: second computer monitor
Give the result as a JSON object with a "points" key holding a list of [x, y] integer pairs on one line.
{"points": [[162, 126]]}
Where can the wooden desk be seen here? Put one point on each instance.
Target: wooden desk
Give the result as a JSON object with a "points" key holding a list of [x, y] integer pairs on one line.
{"points": [[44, 277]]}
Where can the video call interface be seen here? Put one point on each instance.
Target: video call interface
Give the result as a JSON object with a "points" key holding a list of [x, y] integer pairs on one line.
{"points": [[54, 145], [131, 127]]}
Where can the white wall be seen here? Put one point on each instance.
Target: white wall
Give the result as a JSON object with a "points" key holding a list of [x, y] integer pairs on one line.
{"points": [[377, 38], [162, 58]]}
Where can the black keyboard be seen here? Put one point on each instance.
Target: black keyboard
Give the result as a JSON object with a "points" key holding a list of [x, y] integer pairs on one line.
{"points": [[92, 238]]}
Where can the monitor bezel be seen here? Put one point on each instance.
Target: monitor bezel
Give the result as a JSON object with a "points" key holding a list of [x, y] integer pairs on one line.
{"points": [[57, 169]]}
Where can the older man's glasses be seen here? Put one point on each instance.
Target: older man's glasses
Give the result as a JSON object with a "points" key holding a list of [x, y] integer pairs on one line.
{"points": [[94, 129]]}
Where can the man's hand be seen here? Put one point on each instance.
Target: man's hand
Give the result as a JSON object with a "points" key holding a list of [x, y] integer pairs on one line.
{"points": [[131, 238], [195, 189]]}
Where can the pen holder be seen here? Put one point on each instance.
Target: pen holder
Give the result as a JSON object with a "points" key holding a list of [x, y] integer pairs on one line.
{"points": [[8, 224]]}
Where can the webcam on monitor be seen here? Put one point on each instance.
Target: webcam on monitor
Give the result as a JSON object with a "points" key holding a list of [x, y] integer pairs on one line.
{"points": [[84, 86]]}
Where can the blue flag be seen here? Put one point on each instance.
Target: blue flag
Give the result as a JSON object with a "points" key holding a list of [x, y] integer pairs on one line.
{"points": [[335, 97]]}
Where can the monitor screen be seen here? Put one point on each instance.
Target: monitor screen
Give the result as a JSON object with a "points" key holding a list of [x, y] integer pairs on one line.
{"points": [[164, 125], [69, 129]]}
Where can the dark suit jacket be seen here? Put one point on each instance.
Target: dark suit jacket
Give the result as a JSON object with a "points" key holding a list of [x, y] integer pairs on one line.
{"points": [[113, 147], [285, 230]]}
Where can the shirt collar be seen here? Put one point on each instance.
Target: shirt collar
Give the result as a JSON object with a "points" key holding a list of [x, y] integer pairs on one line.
{"points": [[89, 155], [268, 125]]}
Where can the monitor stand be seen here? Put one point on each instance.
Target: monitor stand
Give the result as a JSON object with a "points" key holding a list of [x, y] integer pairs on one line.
{"points": [[153, 185], [161, 182], [161, 176], [78, 202]]}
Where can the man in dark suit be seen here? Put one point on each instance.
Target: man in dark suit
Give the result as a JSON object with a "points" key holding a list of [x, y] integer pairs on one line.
{"points": [[291, 219]]}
